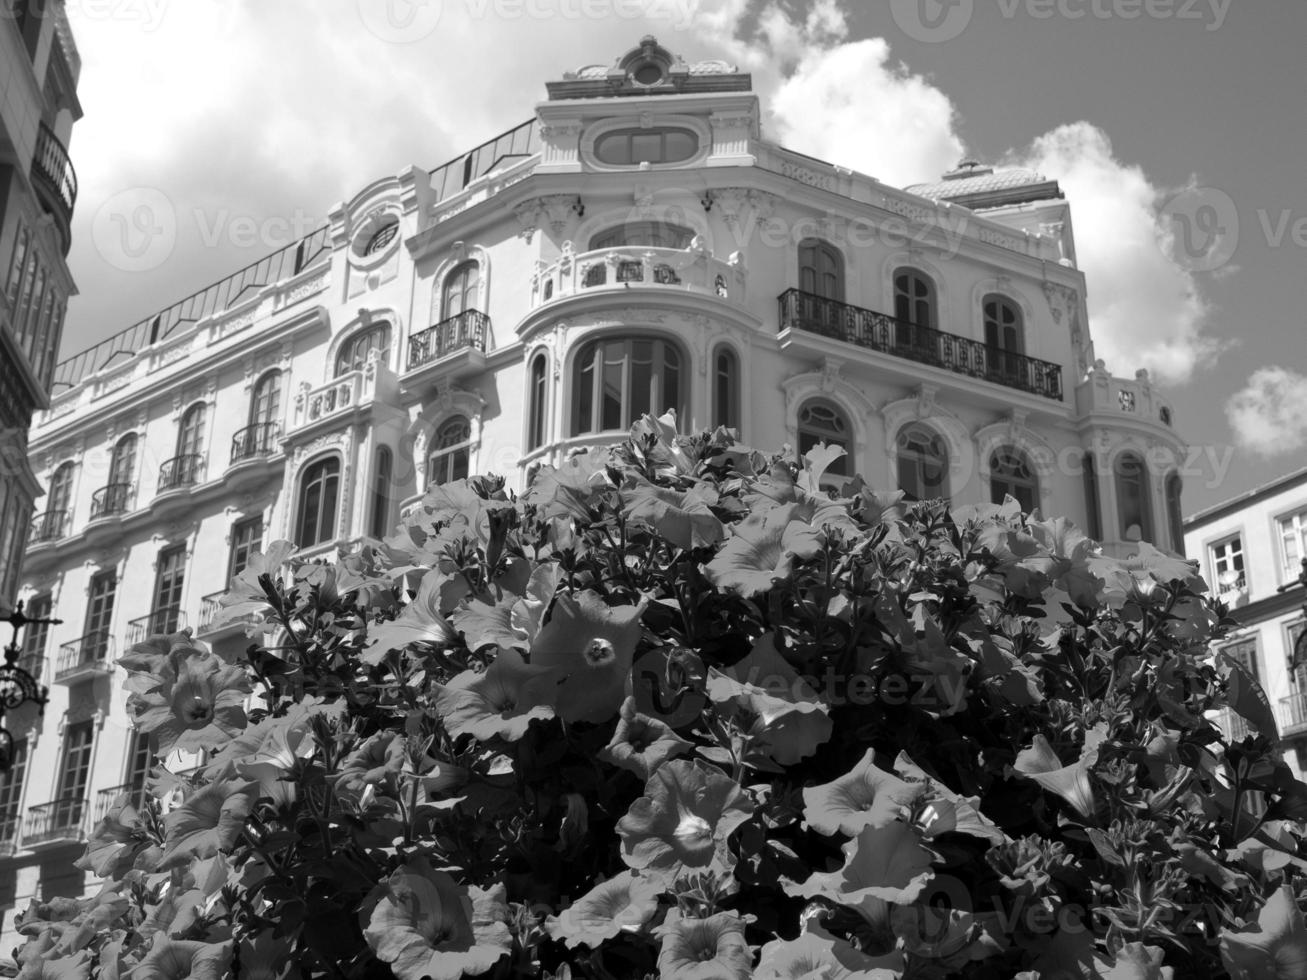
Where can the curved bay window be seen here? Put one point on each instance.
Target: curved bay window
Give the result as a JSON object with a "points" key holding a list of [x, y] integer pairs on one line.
{"points": [[354, 354], [726, 388], [318, 501], [1011, 475], [820, 421], [461, 289], [618, 379], [1174, 513], [451, 453], [538, 391], [644, 234], [1132, 503], [821, 269], [923, 464]]}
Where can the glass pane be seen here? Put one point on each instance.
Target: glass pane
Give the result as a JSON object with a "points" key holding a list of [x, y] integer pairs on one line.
{"points": [[614, 369], [680, 145], [642, 394], [646, 147], [327, 522], [585, 393]]}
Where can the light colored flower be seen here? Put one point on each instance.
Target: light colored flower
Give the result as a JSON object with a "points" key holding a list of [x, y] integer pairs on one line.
{"points": [[762, 550], [640, 743], [683, 518], [865, 796], [704, 949], [177, 959], [198, 703], [207, 822], [590, 646], [817, 955], [1273, 949], [500, 701], [623, 903], [1041, 763]]}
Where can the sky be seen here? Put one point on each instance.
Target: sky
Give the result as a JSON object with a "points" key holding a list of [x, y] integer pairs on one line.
{"points": [[216, 131]]}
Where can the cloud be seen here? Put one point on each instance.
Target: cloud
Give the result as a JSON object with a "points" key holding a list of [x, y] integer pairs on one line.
{"points": [[1269, 415], [1145, 309]]}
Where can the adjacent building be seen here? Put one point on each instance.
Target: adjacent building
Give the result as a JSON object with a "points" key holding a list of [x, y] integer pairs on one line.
{"points": [[636, 245], [1253, 550]]}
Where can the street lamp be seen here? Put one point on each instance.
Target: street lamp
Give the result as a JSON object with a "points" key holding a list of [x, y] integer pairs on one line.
{"points": [[17, 686]]}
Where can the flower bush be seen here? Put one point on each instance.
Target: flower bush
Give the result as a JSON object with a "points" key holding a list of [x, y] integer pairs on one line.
{"points": [[680, 712]]}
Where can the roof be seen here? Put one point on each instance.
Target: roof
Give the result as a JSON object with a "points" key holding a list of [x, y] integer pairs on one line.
{"points": [[977, 186], [1243, 500]]}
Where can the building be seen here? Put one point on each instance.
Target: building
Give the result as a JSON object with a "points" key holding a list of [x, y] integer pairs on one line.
{"points": [[635, 245], [1252, 549], [39, 66]]}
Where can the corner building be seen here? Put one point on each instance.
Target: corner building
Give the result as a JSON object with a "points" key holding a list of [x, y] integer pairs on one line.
{"points": [[637, 245]]}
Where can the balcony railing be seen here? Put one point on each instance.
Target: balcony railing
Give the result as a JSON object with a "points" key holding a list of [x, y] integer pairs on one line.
{"points": [[48, 527], [54, 821], [463, 331], [106, 798], [694, 270], [901, 338], [52, 170], [211, 609], [255, 441], [87, 654], [1293, 713], [180, 472], [161, 622], [111, 501]]}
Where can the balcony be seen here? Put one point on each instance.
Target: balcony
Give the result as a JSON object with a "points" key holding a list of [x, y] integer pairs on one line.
{"points": [[88, 656], [55, 180], [180, 472], [1132, 401], [255, 455], [688, 270], [57, 822], [161, 622], [212, 612], [111, 501], [902, 339], [106, 798], [1293, 714], [349, 398], [48, 528], [464, 333]]}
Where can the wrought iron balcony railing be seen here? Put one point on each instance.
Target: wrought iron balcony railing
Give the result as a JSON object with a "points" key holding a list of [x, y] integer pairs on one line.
{"points": [[255, 441], [48, 527], [180, 472], [87, 654], [464, 331], [54, 821], [106, 798], [111, 501], [53, 172], [925, 345], [161, 622]]}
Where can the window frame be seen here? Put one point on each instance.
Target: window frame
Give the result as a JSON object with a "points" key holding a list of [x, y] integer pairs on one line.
{"points": [[809, 434], [1146, 531], [906, 302], [587, 416], [444, 448], [1293, 523], [903, 450], [1013, 481], [250, 544], [814, 249], [537, 401], [467, 295], [630, 133], [383, 470], [1214, 560], [265, 398], [319, 473], [679, 236], [122, 463], [726, 387], [353, 352]]}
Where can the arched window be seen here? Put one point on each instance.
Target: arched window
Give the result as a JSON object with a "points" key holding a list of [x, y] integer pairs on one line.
{"points": [[59, 499], [1004, 337], [821, 270], [1174, 514], [381, 478], [1132, 498], [354, 354], [122, 465], [319, 492], [265, 405], [461, 289], [619, 379], [190, 435], [923, 463], [644, 234], [451, 452], [726, 388], [914, 298], [539, 406], [1092, 505], [820, 421], [1011, 475]]}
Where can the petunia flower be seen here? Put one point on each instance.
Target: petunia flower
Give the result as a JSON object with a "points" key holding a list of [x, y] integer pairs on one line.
{"points": [[74, 967], [424, 924], [940, 810], [641, 743], [1273, 949], [420, 622], [376, 761], [865, 796], [762, 550], [817, 955], [623, 903], [197, 704], [119, 843], [207, 822], [177, 959], [704, 949], [683, 820], [590, 645], [683, 518], [500, 701], [1041, 763], [1135, 961]]}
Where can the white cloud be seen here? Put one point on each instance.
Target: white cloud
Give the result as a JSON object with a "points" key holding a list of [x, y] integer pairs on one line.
{"points": [[1145, 309], [1269, 415]]}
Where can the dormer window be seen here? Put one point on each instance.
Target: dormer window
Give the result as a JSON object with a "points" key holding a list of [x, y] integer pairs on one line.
{"points": [[632, 147]]}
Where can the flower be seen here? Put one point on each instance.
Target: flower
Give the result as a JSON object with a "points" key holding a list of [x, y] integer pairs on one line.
{"points": [[377, 760], [1040, 763], [1273, 949], [420, 621], [198, 702], [176, 959], [623, 903], [207, 822], [119, 843], [704, 949], [500, 701], [865, 796], [683, 820], [681, 517], [1135, 961], [73, 967], [762, 549], [591, 646], [817, 955], [640, 743], [424, 924]]}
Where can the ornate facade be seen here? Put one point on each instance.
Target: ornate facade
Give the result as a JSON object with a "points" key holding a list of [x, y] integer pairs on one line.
{"points": [[637, 245]]}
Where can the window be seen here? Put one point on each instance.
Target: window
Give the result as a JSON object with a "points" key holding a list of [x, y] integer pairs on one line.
{"points": [[382, 237], [381, 494], [75, 771], [139, 760], [185, 470], [629, 147], [122, 465], [726, 388], [914, 298], [1132, 498], [450, 457], [461, 290], [1293, 539], [1003, 336], [58, 506], [99, 614], [319, 489], [1092, 505], [36, 636], [1244, 653], [17, 265], [539, 406], [354, 354], [1298, 657], [644, 234], [266, 401], [619, 379], [246, 539], [821, 270], [923, 464], [1010, 474], [11, 790], [1174, 487], [1227, 565], [820, 422], [170, 577]]}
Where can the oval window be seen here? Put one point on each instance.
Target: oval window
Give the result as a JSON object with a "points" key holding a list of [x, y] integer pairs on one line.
{"points": [[631, 147]]}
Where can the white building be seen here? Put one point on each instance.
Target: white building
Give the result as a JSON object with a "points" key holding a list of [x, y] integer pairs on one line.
{"points": [[1253, 549], [635, 245]]}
